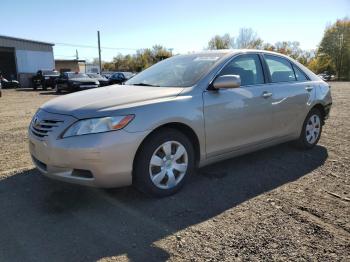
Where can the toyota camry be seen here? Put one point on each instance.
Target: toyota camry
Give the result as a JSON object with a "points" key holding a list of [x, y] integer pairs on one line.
{"points": [[182, 113]]}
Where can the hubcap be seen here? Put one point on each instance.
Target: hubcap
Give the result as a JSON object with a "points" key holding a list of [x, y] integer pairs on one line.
{"points": [[313, 128], [168, 165]]}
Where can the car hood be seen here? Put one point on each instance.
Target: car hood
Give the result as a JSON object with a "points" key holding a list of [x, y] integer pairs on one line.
{"points": [[101, 101]]}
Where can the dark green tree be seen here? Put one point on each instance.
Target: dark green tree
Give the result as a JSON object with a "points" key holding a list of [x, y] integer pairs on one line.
{"points": [[335, 45]]}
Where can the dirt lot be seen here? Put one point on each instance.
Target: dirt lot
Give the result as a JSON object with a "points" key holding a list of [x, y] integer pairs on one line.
{"points": [[275, 204]]}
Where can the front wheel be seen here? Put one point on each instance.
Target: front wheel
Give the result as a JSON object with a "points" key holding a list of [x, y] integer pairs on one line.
{"points": [[163, 163], [57, 90], [312, 129]]}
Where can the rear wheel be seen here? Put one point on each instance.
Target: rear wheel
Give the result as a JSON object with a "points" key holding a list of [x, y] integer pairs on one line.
{"points": [[312, 129], [163, 163]]}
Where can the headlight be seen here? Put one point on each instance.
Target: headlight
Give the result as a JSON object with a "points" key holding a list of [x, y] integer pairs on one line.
{"points": [[97, 125]]}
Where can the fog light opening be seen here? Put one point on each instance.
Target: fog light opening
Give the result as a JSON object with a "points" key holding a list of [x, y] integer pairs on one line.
{"points": [[82, 173]]}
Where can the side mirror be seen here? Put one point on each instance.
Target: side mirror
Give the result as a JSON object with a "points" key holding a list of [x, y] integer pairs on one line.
{"points": [[227, 81]]}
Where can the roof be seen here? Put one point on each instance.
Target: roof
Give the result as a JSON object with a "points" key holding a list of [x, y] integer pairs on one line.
{"points": [[26, 40], [230, 52]]}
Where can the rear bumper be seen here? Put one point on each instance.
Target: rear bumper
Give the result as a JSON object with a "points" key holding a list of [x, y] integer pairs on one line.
{"points": [[327, 109]]}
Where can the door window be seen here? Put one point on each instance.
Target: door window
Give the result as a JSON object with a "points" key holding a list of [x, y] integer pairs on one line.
{"points": [[299, 74], [280, 69], [248, 67]]}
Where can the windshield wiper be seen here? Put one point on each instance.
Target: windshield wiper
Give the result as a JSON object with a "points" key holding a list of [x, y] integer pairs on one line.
{"points": [[144, 84]]}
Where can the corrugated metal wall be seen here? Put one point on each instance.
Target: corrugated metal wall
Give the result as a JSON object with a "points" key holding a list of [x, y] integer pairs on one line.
{"points": [[24, 45], [30, 56], [32, 61]]}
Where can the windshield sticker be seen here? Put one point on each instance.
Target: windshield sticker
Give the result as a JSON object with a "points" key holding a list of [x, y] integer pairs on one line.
{"points": [[206, 58]]}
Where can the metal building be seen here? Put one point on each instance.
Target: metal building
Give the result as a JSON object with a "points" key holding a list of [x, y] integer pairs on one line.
{"points": [[21, 58]]}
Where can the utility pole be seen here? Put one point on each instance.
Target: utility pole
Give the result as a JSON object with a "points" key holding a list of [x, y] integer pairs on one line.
{"points": [[99, 51], [341, 44], [76, 54]]}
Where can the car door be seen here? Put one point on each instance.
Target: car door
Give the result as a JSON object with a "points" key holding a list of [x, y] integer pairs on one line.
{"points": [[238, 117], [292, 92]]}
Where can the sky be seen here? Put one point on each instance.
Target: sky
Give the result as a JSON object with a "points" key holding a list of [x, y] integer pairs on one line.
{"points": [[184, 26]]}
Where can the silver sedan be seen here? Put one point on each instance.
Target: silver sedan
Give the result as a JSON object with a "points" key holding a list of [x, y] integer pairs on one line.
{"points": [[182, 113]]}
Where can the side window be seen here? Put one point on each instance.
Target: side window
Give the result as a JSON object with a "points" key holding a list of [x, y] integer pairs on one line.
{"points": [[300, 75], [248, 67], [280, 69]]}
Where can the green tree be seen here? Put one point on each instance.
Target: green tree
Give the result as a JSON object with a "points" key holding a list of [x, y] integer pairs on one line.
{"points": [[335, 46], [141, 60], [321, 64]]}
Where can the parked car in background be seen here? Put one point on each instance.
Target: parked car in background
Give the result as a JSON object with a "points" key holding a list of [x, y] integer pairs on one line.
{"points": [[107, 75], [45, 79], [325, 76], [73, 81], [117, 78], [120, 77], [183, 112], [9, 84], [101, 79]]}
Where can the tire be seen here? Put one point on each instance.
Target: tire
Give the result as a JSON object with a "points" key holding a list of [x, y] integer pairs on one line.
{"points": [[311, 131], [57, 90], [159, 174], [44, 86]]}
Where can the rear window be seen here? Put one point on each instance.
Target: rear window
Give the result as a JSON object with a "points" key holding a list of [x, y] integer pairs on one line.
{"points": [[50, 73]]}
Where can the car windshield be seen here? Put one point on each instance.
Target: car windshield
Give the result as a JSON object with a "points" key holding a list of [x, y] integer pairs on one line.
{"points": [[95, 76], [77, 75], [127, 74], [177, 71], [50, 73]]}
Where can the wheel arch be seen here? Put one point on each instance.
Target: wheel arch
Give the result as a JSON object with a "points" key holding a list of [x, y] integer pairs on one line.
{"points": [[181, 127], [321, 108]]}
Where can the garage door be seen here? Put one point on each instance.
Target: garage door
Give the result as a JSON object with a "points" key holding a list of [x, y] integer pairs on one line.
{"points": [[8, 63]]}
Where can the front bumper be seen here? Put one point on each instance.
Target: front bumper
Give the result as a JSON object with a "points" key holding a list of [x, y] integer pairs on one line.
{"points": [[99, 160], [83, 87]]}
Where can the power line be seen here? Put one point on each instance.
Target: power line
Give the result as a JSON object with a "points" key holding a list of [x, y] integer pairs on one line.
{"points": [[95, 47]]}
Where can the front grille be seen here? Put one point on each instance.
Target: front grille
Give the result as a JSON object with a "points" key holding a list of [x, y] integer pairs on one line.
{"points": [[42, 128]]}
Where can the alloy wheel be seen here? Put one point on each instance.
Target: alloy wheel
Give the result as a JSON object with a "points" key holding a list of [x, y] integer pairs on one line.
{"points": [[168, 165], [313, 129]]}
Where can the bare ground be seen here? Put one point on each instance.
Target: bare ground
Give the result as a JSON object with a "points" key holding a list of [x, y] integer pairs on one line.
{"points": [[275, 204]]}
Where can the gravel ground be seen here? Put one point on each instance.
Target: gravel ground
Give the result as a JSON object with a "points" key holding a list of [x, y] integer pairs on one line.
{"points": [[275, 204]]}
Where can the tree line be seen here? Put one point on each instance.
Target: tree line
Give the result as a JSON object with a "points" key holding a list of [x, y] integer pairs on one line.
{"points": [[141, 60], [332, 55]]}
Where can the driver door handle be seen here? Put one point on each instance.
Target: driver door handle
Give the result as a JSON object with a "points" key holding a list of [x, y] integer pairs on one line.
{"points": [[266, 94], [309, 88]]}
